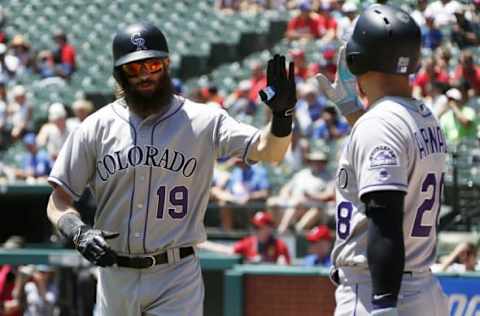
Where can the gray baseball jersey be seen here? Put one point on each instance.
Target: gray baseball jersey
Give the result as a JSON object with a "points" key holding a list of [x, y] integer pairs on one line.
{"points": [[396, 145], [150, 178]]}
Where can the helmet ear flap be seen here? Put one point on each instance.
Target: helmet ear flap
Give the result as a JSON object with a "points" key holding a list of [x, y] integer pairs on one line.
{"points": [[353, 63]]}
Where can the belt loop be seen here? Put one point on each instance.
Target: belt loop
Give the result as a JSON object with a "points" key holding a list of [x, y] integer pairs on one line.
{"points": [[173, 255]]}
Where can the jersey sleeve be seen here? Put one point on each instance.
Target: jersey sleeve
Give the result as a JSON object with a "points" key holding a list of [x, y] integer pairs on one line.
{"points": [[233, 138], [75, 163], [380, 155]]}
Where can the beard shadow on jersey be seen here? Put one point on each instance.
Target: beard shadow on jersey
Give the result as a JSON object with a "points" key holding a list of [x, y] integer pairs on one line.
{"points": [[148, 102]]}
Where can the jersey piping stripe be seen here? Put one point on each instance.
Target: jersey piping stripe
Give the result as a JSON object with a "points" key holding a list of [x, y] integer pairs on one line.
{"points": [[133, 189], [356, 300], [254, 136], [383, 184], [150, 173], [64, 185]]}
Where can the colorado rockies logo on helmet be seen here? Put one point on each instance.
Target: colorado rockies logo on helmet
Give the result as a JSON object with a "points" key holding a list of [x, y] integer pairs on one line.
{"points": [[138, 41]]}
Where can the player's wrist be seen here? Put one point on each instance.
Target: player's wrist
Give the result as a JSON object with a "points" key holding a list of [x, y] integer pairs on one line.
{"points": [[281, 125]]}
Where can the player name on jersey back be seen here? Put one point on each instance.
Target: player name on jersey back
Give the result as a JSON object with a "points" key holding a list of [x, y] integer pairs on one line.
{"points": [[430, 140], [406, 152]]}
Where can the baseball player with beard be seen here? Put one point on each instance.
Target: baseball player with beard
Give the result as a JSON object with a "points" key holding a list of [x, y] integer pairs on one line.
{"points": [[148, 158], [390, 174]]}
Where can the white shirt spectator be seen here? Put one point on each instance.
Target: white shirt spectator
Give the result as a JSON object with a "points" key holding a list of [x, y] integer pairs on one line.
{"points": [[19, 112], [53, 134], [443, 11]]}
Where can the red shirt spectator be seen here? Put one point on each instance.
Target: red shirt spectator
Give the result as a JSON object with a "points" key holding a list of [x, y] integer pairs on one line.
{"points": [[6, 288], [466, 70], [326, 23], [258, 81], [429, 73], [303, 70], [328, 66], [263, 246], [65, 55], [304, 25], [274, 249]]}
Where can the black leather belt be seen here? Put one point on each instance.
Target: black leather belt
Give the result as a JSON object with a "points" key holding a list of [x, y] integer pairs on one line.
{"points": [[150, 261], [335, 277]]}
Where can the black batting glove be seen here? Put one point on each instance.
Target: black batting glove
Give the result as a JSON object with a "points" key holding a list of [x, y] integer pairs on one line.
{"points": [[280, 94], [91, 243]]}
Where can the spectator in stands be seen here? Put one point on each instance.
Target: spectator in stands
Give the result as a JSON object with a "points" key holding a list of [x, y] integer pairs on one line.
{"points": [[228, 6], [462, 259], [81, 109], [437, 101], [327, 24], [443, 11], [459, 122], [303, 70], [35, 163], [464, 32], [418, 14], [19, 113], [54, 133], [8, 63], [309, 107], [467, 70], [41, 292], [45, 65], [239, 104], [258, 80], [327, 65], [295, 157], [330, 126], [12, 281], [3, 19], [64, 55], [177, 86], [263, 246], [429, 72], [431, 34], [443, 56], [213, 96], [260, 247], [199, 95], [304, 26], [247, 184], [320, 245], [21, 49], [345, 22], [304, 200]]}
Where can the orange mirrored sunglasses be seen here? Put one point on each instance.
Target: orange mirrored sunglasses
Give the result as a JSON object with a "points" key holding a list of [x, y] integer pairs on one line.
{"points": [[151, 66]]}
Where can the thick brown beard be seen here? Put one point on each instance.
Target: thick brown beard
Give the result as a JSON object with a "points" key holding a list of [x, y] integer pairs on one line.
{"points": [[153, 102]]}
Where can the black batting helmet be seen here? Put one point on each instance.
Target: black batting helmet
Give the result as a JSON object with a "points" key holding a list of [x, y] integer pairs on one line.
{"points": [[138, 41], [385, 39]]}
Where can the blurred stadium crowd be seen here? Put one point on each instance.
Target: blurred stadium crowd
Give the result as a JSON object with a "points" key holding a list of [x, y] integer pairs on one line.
{"points": [[270, 204]]}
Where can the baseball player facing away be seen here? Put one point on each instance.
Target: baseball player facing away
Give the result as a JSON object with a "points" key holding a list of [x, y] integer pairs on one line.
{"points": [[148, 158], [390, 175]]}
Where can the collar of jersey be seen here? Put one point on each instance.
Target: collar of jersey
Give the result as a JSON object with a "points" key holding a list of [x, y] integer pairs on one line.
{"points": [[410, 104], [136, 120]]}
